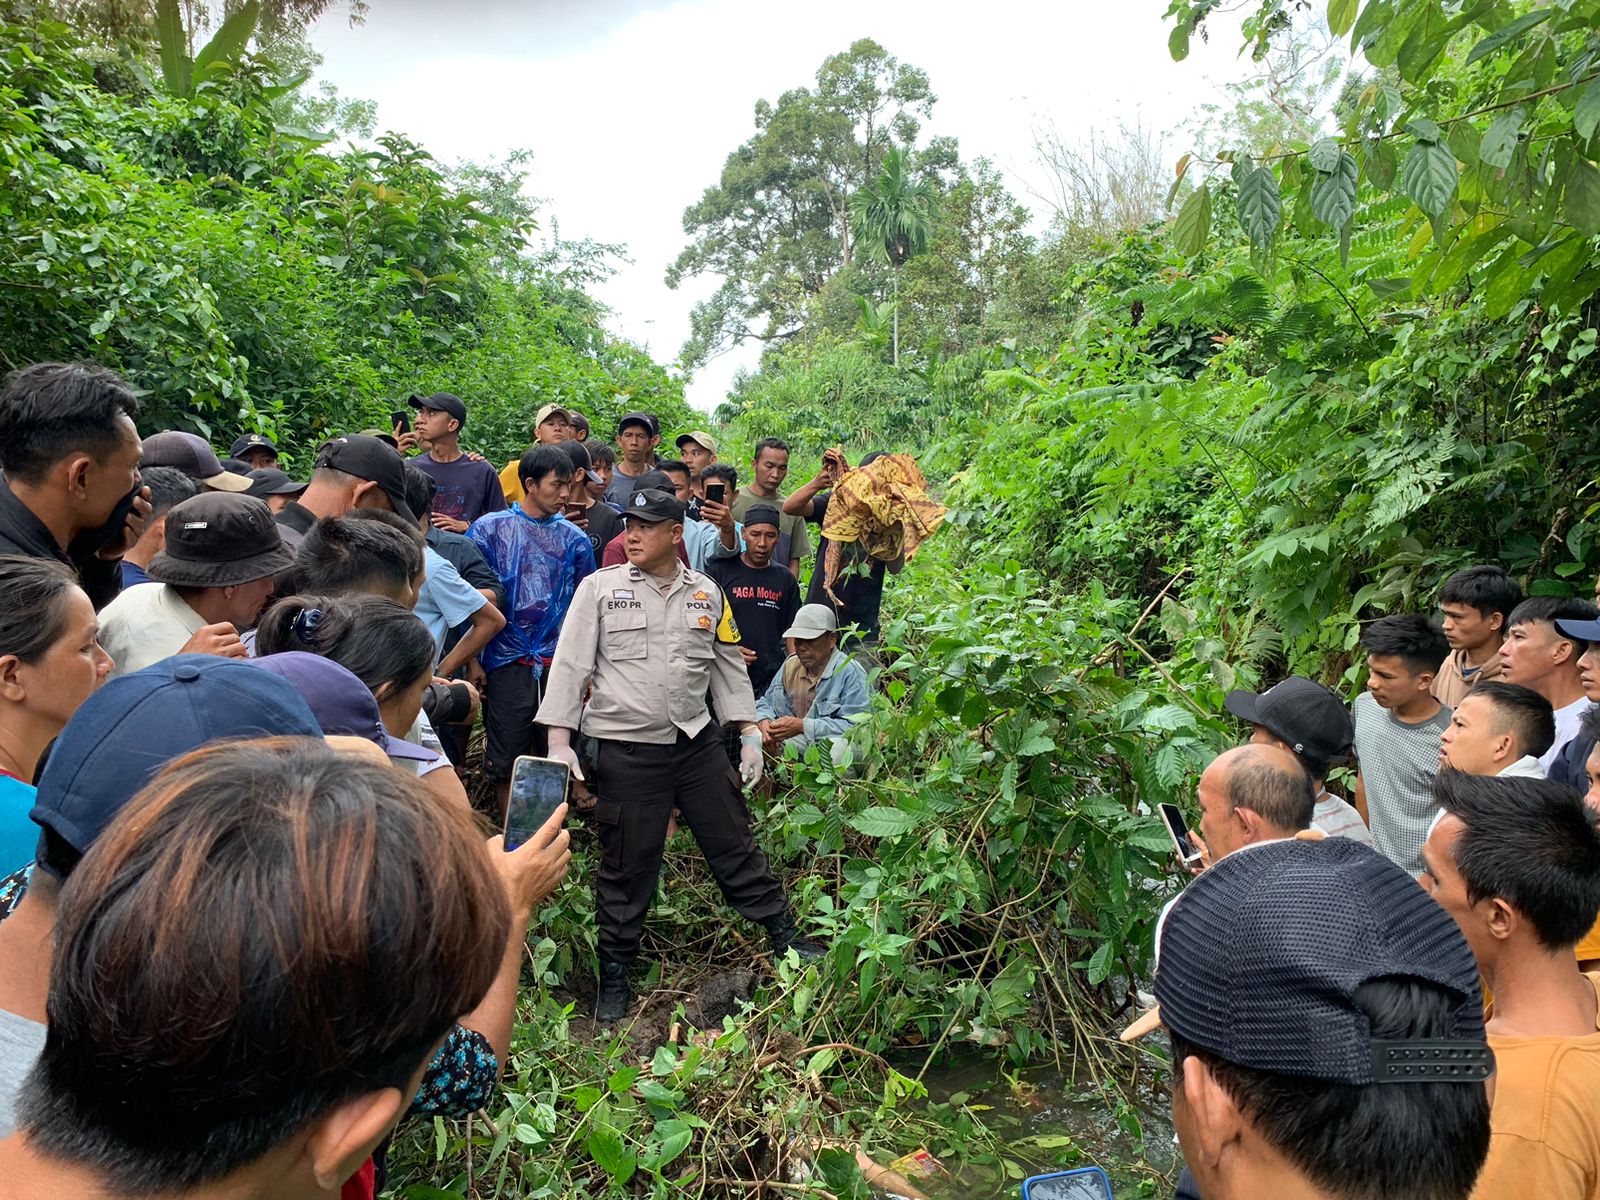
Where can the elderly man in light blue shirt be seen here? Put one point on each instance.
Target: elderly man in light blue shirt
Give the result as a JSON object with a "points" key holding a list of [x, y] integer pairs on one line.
{"points": [[818, 691]]}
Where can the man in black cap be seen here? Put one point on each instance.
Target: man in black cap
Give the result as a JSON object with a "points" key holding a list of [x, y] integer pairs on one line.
{"points": [[764, 596], [255, 449], [638, 435], [275, 487], [215, 576], [189, 453], [468, 487], [1327, 1030], [649, 643], [1308, 720], [70, 452], [351, 472]]}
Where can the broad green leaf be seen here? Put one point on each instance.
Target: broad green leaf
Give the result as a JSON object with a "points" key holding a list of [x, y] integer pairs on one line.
{"points": [[879, 822], [1324, 154], [1373, 18], [1260, 209], [1151, 837], [1333, 194], [616, 1160], [1424, 130], [1169, 717], [1428, 176], [1509, 32], [1341, 16], [1178, 41], [673, 1143], [1191, 229], [1587, 113], [1583, 196], [842, 1174], [1464, 142], [175, 65], [1423, 45], [622, 1080], [1101, 964], [228, 43], [1500, 139], [656, 1092], [1382, 165], [1008, 993], [1385, 288]]}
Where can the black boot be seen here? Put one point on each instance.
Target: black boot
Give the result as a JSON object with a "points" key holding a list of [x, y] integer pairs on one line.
{"points": [[612, 1000], [785, 936]]}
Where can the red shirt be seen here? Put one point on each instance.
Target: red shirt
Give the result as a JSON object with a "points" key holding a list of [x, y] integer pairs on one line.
{"points": [[363, 1185], [615, 556]]}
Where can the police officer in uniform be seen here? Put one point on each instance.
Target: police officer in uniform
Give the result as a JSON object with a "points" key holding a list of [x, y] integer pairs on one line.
{"points": [[654, 637]]}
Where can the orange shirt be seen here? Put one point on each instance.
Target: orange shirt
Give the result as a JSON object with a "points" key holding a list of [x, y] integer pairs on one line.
{"points": [[1545, 1125], [1589, 948], [511, 484]]}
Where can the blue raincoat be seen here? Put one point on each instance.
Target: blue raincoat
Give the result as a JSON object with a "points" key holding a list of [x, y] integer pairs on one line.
{"points": [[541, 561]]}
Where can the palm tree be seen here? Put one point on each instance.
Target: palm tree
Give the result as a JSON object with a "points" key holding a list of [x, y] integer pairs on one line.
{"points": [[892, 217]]}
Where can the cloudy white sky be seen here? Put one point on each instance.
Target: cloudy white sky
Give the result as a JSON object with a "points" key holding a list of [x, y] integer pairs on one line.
{"points": [[631, 106]]}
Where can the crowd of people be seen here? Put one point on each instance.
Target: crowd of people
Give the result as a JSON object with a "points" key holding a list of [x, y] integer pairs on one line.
{"points": [[238, 805], [236, 786], [1338, 1030]]}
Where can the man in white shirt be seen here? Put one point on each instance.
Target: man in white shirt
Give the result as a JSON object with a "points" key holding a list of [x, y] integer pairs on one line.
{"points": [[1498, 729], [214, 576], [1538, 655]]}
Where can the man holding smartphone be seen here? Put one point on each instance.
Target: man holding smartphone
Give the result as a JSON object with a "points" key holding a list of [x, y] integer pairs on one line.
{"points": [[653, 640]]}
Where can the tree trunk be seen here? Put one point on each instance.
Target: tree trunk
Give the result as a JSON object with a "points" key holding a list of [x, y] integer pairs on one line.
{"points": [[896, 315]]}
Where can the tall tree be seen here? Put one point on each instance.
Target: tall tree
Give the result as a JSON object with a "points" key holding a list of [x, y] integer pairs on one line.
{"points": [[777, 224], [893, 217], [978, 253]]}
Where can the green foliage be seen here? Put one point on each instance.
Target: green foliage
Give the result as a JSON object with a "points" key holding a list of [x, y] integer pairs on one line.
{"points": [[982, 869], [777, 224], [242, 279], [1483, 117]]}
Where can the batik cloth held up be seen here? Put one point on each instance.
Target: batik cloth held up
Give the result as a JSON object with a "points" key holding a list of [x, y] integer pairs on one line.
{"points": [[884, 508]]}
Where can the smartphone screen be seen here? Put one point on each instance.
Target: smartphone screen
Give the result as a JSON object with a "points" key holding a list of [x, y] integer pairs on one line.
{"points": [[538, 788], [1085, 1183], [400, 422], [1178, 830], [715, 492]]}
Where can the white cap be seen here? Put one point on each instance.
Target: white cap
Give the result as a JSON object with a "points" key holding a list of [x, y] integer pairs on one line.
{"points": [[812, 621]]}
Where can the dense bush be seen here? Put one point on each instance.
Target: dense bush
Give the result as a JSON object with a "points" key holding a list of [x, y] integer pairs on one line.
{"points": [[242, 277]]}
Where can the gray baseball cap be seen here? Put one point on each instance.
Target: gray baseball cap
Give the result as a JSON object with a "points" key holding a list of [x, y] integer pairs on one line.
{"points": [[812, 621]]}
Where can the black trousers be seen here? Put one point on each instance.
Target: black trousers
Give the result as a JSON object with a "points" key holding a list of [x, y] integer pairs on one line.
{"points": [[511, 699], [638, 786]]}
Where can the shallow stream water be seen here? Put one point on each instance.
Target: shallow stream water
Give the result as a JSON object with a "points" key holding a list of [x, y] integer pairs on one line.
{"points": [[1032, 1111]]}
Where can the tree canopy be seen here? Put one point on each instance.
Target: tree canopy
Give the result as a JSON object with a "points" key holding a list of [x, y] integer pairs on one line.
{"points": [[776, 226]]}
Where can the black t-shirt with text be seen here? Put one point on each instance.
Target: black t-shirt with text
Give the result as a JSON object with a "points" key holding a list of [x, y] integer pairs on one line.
{"points": [[764, 603]]}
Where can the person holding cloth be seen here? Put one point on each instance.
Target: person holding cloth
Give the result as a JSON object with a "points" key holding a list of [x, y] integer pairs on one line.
{"points": [[652, 639]]}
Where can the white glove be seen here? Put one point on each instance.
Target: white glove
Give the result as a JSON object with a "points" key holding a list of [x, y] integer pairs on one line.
{"points": [[751, 760], [561, 750]]}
